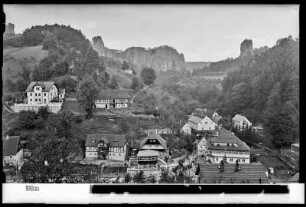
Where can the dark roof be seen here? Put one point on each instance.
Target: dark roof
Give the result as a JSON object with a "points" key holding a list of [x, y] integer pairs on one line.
{"points": [[202, 112], [294, 178], [195, 119], [227, 137], [113, 140], [115, 94], [154, 136], [249, 172], [10, 145], [46, 86]]}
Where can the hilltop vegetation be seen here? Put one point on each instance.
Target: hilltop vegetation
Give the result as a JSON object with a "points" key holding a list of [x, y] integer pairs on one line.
{"points": [[267, 91]]}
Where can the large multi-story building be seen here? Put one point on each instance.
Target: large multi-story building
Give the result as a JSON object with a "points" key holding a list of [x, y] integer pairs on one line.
{"points": [[41, 94], [113, 99], [106, 147], [224, 146]]}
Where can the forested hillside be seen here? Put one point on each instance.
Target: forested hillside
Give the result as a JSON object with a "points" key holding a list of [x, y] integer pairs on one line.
{"points": [[267, 91]]}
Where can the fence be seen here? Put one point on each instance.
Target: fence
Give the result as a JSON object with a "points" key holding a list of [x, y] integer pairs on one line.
{"points": [[53, 107]]}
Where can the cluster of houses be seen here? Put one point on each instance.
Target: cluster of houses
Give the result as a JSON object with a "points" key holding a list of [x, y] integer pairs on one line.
{"points": [[47, 94]]}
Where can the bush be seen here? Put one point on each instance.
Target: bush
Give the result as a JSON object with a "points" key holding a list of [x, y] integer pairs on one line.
{"points": [[27, 119], [78, 119]]}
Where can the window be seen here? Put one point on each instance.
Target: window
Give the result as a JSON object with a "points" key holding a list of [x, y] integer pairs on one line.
{"points": [[35, 99], [45, 94], [243, 160], [231, 159], [30, 99], [119, 154]]}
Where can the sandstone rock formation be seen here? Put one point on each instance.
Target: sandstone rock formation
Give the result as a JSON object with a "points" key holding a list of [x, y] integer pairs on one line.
{"points": [[9, 31], [246, 48], [161, 58]]}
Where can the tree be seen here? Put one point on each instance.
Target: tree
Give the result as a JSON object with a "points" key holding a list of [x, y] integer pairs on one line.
{"points": [[125, 65], [165, 177], [87, 95], [26, 119], [92, 62], [135, 84], [43, 72], [26, 74], [148, 75], [139, 177], [50, 42], [127, 178], [113, 84], [124, 126], [43, 112], [9, 85], [56, 148], [61, 69], [21, 85]]}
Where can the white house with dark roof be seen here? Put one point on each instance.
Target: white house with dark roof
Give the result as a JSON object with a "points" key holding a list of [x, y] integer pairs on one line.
{"points": [[241, 122], [42, 94], [106, 146], [12, 150], [201, 124], [227, 147], [186, 129], [113, 99]]}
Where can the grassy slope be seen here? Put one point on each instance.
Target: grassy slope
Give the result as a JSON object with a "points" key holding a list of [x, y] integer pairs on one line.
{"points": [[14, 58], [124, 80]]}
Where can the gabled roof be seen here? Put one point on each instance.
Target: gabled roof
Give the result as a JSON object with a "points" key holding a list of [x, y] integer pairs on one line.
{"points": [[294, 178], [195, 119], [46, 85], [154, 136], [115, 94], [296, 145], [240, 118], [146, 153], [10, 145], [113, 140], [249, 173], [227, 137]]}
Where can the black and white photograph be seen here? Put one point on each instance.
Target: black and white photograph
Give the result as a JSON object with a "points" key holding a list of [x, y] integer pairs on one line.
{"points": [[157, 94]]}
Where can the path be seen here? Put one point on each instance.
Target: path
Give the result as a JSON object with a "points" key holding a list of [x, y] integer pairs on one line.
{"points": [[7, 108], [139, 92]]}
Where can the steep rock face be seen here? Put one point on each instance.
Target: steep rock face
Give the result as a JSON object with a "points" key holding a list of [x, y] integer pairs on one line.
{"points": [[161, 58], [9, 31], [246, 48]]}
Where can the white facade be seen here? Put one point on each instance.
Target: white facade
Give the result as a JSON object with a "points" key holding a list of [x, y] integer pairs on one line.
{"points": [[38, 96], [53, 107], [14, 159], [231, 156], [117, 153], [109, 103], [241, 122], [204, 124], [186, 129], [202, 147]]}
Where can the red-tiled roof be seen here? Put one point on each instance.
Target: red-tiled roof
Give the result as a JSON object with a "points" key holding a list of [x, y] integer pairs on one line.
{"points": [[10, 145], [46, 85]]}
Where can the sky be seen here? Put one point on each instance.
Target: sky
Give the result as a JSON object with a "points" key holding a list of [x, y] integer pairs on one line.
{"points": [[201, 32]]}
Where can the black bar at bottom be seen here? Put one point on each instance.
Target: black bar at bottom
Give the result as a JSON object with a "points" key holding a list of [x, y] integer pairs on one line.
{"points": [[191, 189]]}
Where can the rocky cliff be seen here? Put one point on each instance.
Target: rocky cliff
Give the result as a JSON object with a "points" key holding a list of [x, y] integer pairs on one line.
{"points": [[9, 31], [161, 58], [246, 48]]}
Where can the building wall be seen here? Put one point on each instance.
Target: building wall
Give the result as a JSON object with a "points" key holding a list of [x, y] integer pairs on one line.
{"points": [[206, 124], [38, 96], [231, 157], [53, 107], [91, 152], [186, 129], [14, 158], [108, 103], [117, 153]]}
